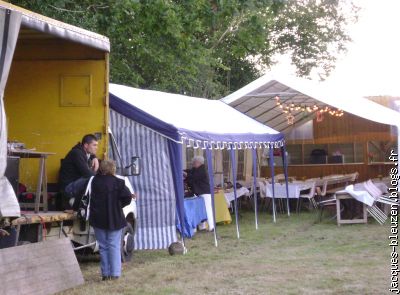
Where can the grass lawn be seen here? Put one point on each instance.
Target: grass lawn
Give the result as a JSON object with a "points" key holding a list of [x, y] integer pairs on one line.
{"points": [[294, 256]]}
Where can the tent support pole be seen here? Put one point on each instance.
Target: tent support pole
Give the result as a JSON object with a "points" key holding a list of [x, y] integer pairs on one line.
{"points": [[211, 177], [271, 165], [254, 152], [285, 171], [233, 163]]}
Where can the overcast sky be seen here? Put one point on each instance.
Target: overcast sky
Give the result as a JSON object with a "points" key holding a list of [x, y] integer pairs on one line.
{"points": [[372, 63]]}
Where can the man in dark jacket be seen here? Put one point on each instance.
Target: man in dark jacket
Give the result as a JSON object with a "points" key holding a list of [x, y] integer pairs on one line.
{"points": [[79, 165]]}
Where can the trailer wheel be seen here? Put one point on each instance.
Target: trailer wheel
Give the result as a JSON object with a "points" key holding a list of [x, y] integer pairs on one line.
{"points": [[127, 243]]}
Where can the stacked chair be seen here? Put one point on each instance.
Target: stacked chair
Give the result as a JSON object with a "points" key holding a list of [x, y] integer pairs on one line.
{"points": [[379, 197]]}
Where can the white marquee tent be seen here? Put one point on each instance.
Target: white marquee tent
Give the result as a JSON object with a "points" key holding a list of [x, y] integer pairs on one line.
{"points": [[257, 100]]}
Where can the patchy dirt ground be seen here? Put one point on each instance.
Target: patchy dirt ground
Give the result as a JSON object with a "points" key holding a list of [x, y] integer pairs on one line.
{"points": [[294, 256]]}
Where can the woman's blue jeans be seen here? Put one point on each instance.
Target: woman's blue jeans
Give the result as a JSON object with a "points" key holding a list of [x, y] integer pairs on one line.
{"points": [[110, 251]]}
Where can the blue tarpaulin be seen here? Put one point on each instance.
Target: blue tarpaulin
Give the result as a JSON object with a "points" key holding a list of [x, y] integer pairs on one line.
{"points": [[195, 213]]}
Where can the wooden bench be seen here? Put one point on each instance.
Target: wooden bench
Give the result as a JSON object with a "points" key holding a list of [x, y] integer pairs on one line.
{"points": [[29, 218]]}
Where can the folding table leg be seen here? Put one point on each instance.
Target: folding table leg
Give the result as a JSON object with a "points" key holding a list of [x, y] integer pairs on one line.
{"points": [[365, 216], [45, 194], [39, 185], [338, 211], [298, 206], [17, 234], [61, 229]]}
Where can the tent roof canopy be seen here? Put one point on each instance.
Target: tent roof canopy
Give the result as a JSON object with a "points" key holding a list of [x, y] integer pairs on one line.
{"points": [[191, 120], [257, 100], [48, 26]]}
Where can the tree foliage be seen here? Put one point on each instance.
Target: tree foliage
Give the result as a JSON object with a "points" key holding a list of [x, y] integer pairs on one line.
{"points": [[207, 48]]}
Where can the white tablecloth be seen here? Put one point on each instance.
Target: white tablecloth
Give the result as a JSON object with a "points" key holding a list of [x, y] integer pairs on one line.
{"points": [[229, 197], [295, 189], [361, 196]]}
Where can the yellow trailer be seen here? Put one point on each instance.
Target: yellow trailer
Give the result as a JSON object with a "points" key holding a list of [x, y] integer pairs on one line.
{"points": [[57, 90], [53, 90]]}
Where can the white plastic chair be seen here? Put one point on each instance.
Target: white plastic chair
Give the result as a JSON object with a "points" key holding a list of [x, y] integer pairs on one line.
{"points": [[322, 192], [277, 178], [263, 194], [262, 187], [379, 197], [331, 202], [310, 196], [354, 176]]}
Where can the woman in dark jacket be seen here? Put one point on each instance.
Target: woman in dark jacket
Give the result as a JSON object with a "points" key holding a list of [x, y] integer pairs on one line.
{"points": [[199, 182], [108, 196], [197, 177]]}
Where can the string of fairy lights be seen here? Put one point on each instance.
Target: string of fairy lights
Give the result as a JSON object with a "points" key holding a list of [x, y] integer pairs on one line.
{"points": [[289, 108]]}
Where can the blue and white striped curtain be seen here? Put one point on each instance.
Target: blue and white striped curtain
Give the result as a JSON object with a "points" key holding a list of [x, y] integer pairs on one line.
{"points": [[10, 22], [156, 204]]}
